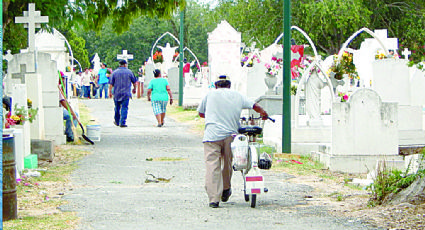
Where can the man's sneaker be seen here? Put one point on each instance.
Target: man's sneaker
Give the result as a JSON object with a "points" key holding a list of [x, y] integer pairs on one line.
{"points": [[115, 123], [214, 205], [69, 139], [123, 126], [226, 194]]}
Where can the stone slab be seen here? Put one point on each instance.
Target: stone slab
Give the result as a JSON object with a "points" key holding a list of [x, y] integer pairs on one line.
{"points": [[45, 149]]}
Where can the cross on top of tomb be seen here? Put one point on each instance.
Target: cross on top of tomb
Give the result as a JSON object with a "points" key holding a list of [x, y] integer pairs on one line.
{"points": [[8, 57], [125, 56], [20, 75], [32, 20], [406, 52], [390, 43]]}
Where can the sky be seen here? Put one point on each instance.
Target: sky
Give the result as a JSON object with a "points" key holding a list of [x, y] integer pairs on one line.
{"points": [[213, 3]]}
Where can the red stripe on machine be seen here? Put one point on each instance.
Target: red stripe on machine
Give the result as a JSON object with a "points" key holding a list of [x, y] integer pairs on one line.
{"points": [[255, 190], [254, 178]]}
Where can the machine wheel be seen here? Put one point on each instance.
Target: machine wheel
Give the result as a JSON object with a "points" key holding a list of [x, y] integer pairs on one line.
{"points": [[253, 200]]}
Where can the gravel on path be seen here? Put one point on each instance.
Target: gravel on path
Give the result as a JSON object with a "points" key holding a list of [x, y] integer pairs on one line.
{"points": [[109, 189]]}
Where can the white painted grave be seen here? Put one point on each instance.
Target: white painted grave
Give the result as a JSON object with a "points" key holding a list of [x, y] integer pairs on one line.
{"points": [[364, 57], [224, 57], [19, 98], [150, 67], [364, 130]]}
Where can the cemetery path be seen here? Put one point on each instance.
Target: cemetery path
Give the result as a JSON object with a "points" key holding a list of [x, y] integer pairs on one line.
{"points": [[110, 189]]}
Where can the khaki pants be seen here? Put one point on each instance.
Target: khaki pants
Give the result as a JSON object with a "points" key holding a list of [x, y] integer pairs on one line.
{"points": [[218, 162]]}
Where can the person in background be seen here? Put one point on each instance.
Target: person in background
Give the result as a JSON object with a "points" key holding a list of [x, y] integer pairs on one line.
{"points": [[222, 109], [121, 80], [103, 81], [159, 92], [66, 113], [85, 81]]}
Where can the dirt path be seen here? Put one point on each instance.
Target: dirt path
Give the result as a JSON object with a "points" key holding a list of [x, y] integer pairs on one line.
{"points": [[110, 189]]}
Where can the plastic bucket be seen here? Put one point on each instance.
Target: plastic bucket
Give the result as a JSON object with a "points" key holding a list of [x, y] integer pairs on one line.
{"points": [[93, 132]]}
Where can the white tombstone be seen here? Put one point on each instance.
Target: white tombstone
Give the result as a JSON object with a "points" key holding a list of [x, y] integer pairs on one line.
{"points": [[417, 85], [255, 84], [364, 57], [19, 98], [8, 57], [96, 63], [53, 44], [124, 56], [150, 67], [224, 57], [406, 53], [364, 130], [32, 20], [173, 80]]}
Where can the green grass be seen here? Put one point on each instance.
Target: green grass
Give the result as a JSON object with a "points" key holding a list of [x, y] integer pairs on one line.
{"points": [[38, 194], [308, 166], [188, 116], [61, 221]]}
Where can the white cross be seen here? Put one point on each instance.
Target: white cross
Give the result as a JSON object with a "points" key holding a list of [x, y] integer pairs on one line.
{"points": [[406, 54], [32, 20], [8, 57], [125, 56]]}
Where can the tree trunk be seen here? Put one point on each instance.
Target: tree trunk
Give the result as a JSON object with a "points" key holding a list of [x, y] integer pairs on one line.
{"points": [[414, 194]]}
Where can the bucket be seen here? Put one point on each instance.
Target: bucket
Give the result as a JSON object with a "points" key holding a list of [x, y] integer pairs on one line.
{"points": [[10, 205], [93, 132]]}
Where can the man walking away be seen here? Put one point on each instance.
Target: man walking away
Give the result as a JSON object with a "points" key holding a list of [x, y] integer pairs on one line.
{"points": [[121, 80], [221, 109]]}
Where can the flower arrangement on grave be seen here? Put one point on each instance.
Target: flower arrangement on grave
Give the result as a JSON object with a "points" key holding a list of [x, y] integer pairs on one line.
{"points": [[205, 64], [380, 55], [249, 61], [342, 66], [157, 57], [175, 56], [20, 115], [294, 88], [274, 66], [343, 96]]}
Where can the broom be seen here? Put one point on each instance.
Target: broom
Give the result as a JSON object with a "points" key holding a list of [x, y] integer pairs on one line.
{"points": [[68, 107]]}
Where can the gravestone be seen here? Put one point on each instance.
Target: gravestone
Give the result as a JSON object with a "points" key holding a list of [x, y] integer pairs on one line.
{"points": [[150, 67], [393, 83], [32, 19], [173, 80], [364, 130], [124, 56], [53, 44], [42, 90], [224, 57], [96, 63], [365, 56], [255, 85]]}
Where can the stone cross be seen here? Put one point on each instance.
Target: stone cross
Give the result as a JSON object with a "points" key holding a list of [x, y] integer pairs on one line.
{"points": [[20, 75], [125, 56], [406, 52], [8, 57], [32, 20]]}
